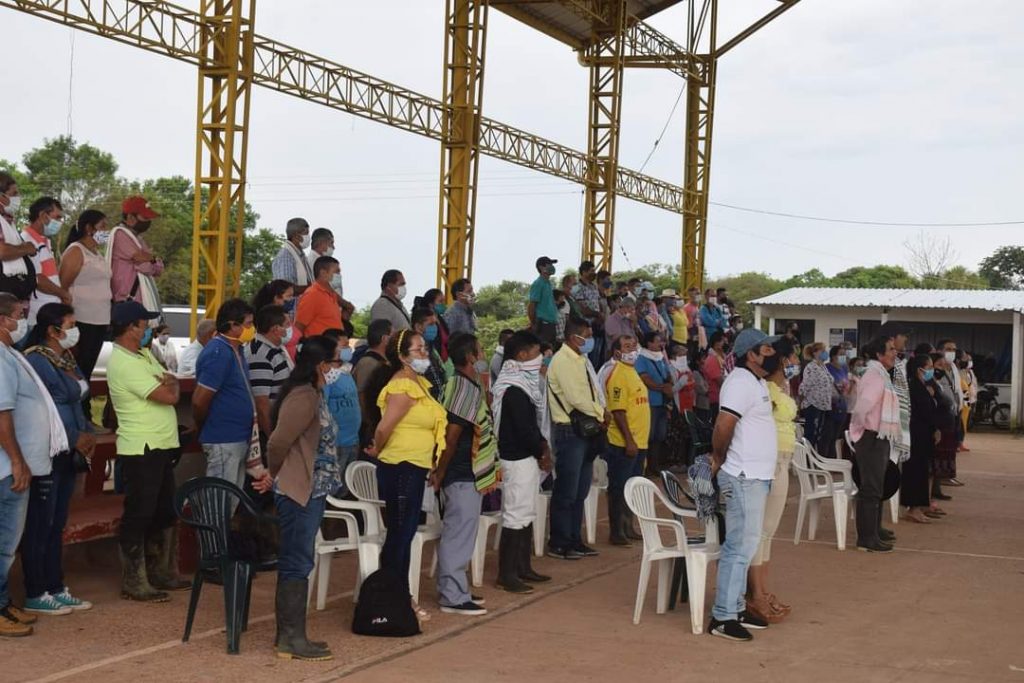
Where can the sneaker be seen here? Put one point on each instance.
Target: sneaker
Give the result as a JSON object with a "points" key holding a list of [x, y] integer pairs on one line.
{"points": [[751, 620], [879, 548], [563, 554], [953, 481], [46, 604], [478, 599], [730, 629], [68, 600], [886, 536], [11, 626], [470, 609], [586, 550]]}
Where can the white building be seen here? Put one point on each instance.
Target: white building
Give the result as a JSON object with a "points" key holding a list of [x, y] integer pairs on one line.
{"points": [[988, 324]]}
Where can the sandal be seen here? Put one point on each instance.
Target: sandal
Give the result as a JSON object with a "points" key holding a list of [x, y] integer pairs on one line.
{"points": [[422, 615], [778, 606], [919, 516], [932, 514]]}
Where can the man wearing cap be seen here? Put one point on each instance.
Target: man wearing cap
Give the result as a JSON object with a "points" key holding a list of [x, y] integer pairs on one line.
{"points": [[133, 264], [743, 455], [541, 308], [144, 397], [291, 263]]}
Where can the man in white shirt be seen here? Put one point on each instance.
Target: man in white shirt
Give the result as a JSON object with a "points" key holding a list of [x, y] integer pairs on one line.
{"points": [[187, 359], [743, 454], [323, 245]]}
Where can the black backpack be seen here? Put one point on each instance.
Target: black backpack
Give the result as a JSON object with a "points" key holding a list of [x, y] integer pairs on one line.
{"points": [[384, 608], [21, 286]]}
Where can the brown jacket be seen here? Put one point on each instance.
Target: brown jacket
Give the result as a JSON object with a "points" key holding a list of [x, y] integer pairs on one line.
{"points": [[291, 450]]}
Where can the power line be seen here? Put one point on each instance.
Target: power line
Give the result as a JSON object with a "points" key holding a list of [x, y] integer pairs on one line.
{"points": [[663, 129], [892, 224]]}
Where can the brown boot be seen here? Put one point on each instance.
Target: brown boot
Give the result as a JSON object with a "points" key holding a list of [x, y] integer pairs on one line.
{"points": [[759, 607], [10, 627]]}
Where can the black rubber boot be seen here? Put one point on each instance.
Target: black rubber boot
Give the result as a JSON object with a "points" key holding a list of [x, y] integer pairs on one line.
{"points": [[526, 572], [162, 559], [508, 562], [617, 519], [290, 609], [884, 535], [134, 582]]}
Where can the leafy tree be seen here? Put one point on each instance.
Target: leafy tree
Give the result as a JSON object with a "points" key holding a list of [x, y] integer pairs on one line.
{"points": [[875, 277], [957, 277], [661, 275], [811, 278], [1004, 269], [79, 175], [746, 287], [261, 246], [504, 301]]}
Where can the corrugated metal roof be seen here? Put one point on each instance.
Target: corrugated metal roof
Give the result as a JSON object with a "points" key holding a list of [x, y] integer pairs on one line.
{"points": [[976, 299], [566, 24]]}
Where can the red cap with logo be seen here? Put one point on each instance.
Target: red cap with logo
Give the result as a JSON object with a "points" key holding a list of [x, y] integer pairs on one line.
{"points": [[140, 207]]}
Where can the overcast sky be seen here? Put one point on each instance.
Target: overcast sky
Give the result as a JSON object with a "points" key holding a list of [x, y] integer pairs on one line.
{"points": [[893, 110]]}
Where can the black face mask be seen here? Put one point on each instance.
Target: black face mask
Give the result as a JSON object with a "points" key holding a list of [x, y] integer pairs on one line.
{"points": [[142, 226]]}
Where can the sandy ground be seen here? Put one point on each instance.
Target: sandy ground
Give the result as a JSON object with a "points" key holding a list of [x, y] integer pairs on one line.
{"points": [[947, 606]]}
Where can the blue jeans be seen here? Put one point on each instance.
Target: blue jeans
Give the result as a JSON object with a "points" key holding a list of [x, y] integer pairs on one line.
{"points": [[621, 467], [744, 516], [573, 472], [401, 489], [227, 461], [298, 536], [13, 507], [42, 541]]}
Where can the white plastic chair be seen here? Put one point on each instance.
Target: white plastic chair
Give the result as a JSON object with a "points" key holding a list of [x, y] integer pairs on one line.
{"points": [[540, 525], [835, 466], [488, 521], [815, 485], [894, 502], [366, 545], [599, 483], [640, 497]]}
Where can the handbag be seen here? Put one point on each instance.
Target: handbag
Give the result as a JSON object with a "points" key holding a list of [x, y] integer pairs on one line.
{"points": [[79, 463], [583, 425], [21, 286]]}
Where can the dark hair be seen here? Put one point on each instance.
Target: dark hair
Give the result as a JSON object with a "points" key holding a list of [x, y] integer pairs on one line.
{"points": [[721, 289], [835, 351], [230, 312], [389, 277], [377, 330], [575, 325], [505, 334], [649, 337], [783, 348], [86, 219], [459, 286], [319, 235], [335, 334], [617, 344], [8, 303], [790, 324], [942, 342], [937, 356], [42, 205], [603, 274], [315, 350], [586, 267], [716, 337], [160, 328], [118, 329], [917, 362], [673, 347], [460, 346], [269, 317], [269, 292], [322, 264], [420, 314], [49, 315], [6, 180], [398, 346], [697, 358], [431, 295], [633, 281], [923, 348], [875, 348], [557, 293], [519, 342], [545, 347]]}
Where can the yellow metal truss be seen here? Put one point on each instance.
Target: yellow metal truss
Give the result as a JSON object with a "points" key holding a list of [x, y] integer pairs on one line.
{"points": [[464, 48]]}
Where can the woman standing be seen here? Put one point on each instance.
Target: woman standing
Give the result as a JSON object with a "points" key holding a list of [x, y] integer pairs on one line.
{"points": [[817, 390], [839, 420], [85, 273], [924, 434], [410, 434], [49, 352], [435, 301], [714, 371], [944, 461], [781, 368], [655, 374], [701, 400], [302, 459]]}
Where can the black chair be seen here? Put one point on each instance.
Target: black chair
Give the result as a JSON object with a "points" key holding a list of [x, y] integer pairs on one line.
{"points": [[207, 504], [676, 494], [700, 435]]}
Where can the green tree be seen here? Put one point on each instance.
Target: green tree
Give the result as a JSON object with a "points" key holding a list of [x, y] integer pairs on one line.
{"points": [[812, 278], [1004, 269], [504, 301], [746, 287], [79, 175], [260, 248], [661, 275], [875, 277], [957, 277]]}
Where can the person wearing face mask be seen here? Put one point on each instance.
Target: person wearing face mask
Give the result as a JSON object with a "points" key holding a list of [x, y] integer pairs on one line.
{"points": [[676, 447], [85, 274], [318, 306], [412, 428], [434, 299], [133, 265], [460, 317], [367, 372], [424, 322], [857, 368], [162, 348], [49, 353], [621, 322], [694, 330], [498, 357], [541, 309], [653, 369], [343, 402], [522, 424], [17, 271], [465, 471], [926, 419], [303, 463], [223, 404], [268, 362], [144, 397], [839, 419], [573, 388], [817, 391], [711, 318], [713, 369], [944, 459], [953, 355], [969, 384], [323, 245], [389, 306], [46, 217], [290, 263], [205, 330]]}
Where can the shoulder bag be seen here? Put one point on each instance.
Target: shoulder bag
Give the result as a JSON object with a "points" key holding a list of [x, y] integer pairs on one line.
{"points": [[583, 425]]}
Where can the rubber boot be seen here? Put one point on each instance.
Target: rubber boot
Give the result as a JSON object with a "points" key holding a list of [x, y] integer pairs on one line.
{"points": [[884, 535], [508, 562], [616, 520], [134, 582], [628, 530], [525, 566], [162, 559], [290, 609]]}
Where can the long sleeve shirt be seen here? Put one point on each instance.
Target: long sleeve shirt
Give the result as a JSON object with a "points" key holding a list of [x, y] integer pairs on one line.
{"points": [[124, 270], [817, 387], [519, 433], [867, 412], [569, 379], [712, 320]]}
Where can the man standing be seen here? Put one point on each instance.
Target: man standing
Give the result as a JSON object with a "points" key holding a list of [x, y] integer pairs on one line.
{"points": [[541, 309], [460, 316], [573, 386], [743, 455], [949, 349], [187, 360], [24, 451], [498, 357], [269, 364], [378, 333], [46, 216], [389, 306], [342, 398], [711, 318], [323, 245], [144, 397], [621, 322], [291, 263], [133, 265], [424, 322], [692, 311], [588, 298], [318, 308]]}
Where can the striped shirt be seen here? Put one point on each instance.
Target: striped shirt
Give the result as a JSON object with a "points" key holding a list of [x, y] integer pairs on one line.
{"points": [[269, 367], [476, 451]]}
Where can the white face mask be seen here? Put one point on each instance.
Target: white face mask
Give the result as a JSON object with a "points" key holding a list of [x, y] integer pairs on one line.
{"points": [[164, 338], [306, 241], [712, 301], [332, 375], [19, 332], [970, 365], [70, 339], [629, 358], [336, 281], [500, 350], [102, 237], [329, 251], [950, 356], [13, 205], [680, 363], [401, 293], [534, 365], [419, 365]]}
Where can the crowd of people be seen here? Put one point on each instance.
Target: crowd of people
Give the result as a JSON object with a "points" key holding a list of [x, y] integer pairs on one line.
{"points": [[285, 401]]}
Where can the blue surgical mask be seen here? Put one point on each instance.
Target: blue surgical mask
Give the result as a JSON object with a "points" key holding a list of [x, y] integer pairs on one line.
{"points": [[51, 228], [841, 360], [346, 354], [823, 356], [440, 308], [147, 336], [288, 333], [547, 361], [430, 333], [791, 371], [929, 374], [588, 346]]}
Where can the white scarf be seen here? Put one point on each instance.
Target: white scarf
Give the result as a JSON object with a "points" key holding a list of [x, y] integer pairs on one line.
{"points": [[513, 375], [605, 373], [147, 293], [303, 272], [652, 355], [12, 238], [58, 435]]}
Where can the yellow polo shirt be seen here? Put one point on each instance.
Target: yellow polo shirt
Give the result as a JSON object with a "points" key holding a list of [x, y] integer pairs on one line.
{"points": [[627, 392], [568, 379]]}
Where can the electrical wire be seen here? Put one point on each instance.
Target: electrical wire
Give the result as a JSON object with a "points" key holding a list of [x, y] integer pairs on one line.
{"points": [[663, 129], [891, 224]]}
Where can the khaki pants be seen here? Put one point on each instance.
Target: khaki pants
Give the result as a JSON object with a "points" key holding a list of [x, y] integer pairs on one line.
{"points": [[774, 508]]}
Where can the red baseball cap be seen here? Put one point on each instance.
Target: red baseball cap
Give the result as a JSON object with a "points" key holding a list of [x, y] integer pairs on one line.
{"points": [[140, 207]]}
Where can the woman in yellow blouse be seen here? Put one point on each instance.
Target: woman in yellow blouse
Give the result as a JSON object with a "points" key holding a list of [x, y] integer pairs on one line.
{"points": [[410, 433], [781, 368]]}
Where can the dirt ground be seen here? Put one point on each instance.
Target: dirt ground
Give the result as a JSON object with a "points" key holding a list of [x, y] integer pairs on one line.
{"points": [[947, 606]]}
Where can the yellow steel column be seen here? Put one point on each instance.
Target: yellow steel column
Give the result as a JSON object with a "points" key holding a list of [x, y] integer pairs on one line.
{"points": [[464, 48], [700, 107], [225, 77], [605, 112]]}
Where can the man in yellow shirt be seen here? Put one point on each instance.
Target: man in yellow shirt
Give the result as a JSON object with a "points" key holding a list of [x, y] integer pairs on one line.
{"points": [[628, 432]]}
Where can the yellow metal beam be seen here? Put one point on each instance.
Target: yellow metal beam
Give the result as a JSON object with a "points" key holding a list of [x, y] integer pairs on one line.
{"points": [[464, 49]]}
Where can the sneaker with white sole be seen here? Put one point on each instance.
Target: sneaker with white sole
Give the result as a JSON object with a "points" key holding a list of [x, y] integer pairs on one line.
{"points": [[468, 608], [68, 600], [46, 604], [730, 629]]}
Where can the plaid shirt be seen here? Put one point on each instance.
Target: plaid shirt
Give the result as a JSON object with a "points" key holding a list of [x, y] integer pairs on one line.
{"points": [[588, 295], [460, 318]]}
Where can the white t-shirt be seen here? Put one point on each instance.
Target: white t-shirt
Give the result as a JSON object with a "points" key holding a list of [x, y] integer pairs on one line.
{"points": [[754, 448]]}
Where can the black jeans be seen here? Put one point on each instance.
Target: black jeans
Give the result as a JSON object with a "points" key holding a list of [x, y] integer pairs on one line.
{"points": [[545, 331], [90, 342], [47, 515], [149, 494], [401, 488], [872, 456]]}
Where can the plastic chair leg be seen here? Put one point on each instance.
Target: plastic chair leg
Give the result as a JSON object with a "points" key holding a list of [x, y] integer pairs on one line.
{"points": [[323, 580], [193, 602], [697, 573], [248, 601], [540, 525], [497, 536], [894, 507], [590, 514], [812, 524], [236, 577], [664, 584], [369, 562], [476, 563], [415, 567], [840, 503], [641, 589], [678, 579], [801, 509]]}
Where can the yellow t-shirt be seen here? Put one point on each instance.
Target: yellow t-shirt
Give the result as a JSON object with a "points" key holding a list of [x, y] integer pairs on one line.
{"points": [[421, 431], [679, 323], [626, 391], [131, 378], [784, 414]]}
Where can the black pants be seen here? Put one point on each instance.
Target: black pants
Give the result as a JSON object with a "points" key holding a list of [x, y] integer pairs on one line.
{"points": [[401, 487], [872, 456], [545, 331], [149, 494], [90, 342], [42, 541]]}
